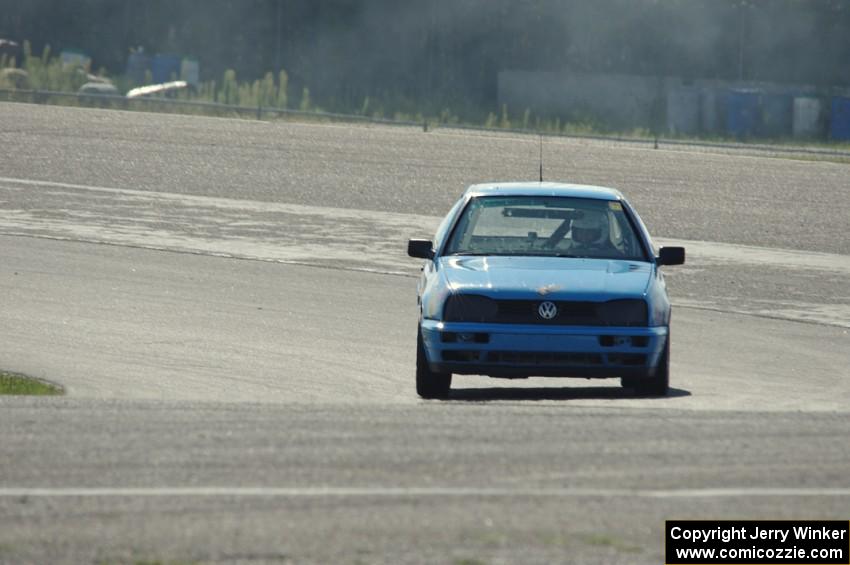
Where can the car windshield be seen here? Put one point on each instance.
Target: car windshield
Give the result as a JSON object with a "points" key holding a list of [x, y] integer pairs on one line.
{"points": [[550, 226]]}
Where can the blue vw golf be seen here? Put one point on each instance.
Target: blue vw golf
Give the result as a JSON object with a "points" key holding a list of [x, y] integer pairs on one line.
{"points": [[543, 279]]}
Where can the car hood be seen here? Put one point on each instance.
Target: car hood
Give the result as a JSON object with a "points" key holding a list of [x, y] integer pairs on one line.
{"points": [[560, 278]]}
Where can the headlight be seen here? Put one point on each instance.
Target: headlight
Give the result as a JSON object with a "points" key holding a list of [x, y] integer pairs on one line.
{"points": [[623, 313], [470, 308]]}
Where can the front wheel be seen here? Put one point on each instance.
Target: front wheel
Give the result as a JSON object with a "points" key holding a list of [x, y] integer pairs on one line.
{"points": [[428, 383], [659, 384]]}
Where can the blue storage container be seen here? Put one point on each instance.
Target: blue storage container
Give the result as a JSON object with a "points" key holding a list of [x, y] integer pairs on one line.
{"points": [[165, 67], [776, 115], [839, 120], [683, 111], [808, 118], [137, 65], [710, 110], [190, 71], [742, 112]]}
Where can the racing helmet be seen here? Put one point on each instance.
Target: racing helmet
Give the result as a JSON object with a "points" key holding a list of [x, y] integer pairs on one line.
{"points": [[590, 228]]}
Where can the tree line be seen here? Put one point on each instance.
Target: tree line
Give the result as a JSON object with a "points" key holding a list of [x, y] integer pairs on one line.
{"points": [[449, 52]]}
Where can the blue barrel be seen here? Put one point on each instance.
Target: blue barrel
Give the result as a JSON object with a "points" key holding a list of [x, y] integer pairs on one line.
{"points": [[710, 110], [164, 67], [808, 119], [742, 112], [137, 65], [190, 71], [839, 121], [683, 111], [776, 115]]}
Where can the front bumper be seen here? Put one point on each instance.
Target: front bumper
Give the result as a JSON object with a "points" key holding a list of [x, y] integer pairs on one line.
{"points": [[518, 351]]}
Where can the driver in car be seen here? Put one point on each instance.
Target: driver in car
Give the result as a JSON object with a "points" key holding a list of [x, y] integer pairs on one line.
{"points": [[591, 235]]}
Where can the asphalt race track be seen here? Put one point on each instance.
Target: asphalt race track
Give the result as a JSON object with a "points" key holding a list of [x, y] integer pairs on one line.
{"points": [[230, 309]]}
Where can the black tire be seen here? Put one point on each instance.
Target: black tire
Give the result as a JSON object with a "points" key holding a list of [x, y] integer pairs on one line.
{"points": [[428, 383], [659, 383]]}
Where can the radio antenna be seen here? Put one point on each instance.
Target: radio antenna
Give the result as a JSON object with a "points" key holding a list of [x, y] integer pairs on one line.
{"points": [[541, 157]]}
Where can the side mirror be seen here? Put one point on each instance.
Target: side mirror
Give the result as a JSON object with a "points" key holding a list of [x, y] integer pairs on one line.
{"points": [[671, 256], [421, 248]]}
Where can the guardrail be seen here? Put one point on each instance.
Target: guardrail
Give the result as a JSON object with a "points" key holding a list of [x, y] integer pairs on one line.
{"points": [[163, 104], [172, 105]]}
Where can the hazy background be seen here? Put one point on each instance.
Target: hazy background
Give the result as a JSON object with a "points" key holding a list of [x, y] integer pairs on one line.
{"points": [[435, 53]]}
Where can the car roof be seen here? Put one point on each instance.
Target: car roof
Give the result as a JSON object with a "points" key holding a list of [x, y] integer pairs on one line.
{"points": [[543, 189]]}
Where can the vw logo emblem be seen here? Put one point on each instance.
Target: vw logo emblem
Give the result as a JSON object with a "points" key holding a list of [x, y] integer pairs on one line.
{"points": [[547, 310]]}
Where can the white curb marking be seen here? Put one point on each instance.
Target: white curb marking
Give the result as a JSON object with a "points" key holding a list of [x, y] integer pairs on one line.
{"points": [[403, 492]]}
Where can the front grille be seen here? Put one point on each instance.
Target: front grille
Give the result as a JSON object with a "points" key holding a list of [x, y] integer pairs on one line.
{"points": [[626, 359], [461, 356], [544, 358], [482, 309], [569, 313]]}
